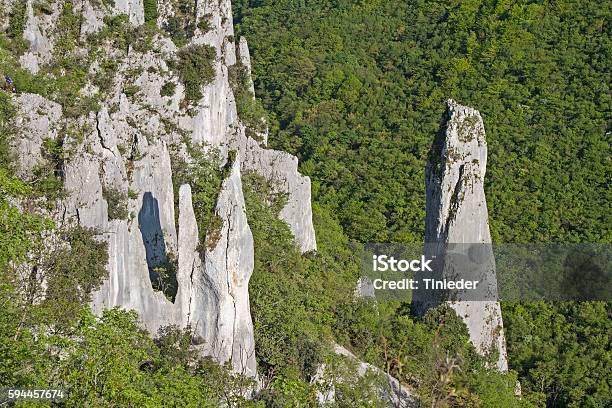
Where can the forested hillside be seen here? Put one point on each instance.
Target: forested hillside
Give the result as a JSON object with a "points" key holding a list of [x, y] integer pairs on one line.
{"points": [[356, 89]]}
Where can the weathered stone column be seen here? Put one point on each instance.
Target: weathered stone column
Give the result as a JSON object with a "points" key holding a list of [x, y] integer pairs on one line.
{"points": [[457, 228]]}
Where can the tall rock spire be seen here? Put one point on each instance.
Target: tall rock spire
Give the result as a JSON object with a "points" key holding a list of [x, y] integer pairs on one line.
{"points": [[457, 222]]}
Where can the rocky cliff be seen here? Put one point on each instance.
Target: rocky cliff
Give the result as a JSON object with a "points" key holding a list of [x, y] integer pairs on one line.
{"points": [[457, 224], [147, 119]]}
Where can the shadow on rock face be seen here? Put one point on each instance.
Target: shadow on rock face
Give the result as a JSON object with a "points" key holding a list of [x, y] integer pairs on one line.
{"points": [[162, 265]]}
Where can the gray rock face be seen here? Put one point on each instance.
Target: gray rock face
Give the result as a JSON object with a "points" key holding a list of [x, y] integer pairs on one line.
{"points": [[38, 119], [281, 169], [35, 33], [245, 60], [118, 177], [133, 8], [222, 290], [456, 213], [393, 393]]}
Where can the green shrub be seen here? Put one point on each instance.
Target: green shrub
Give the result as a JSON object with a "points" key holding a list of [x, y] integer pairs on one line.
{"points": [[168, 89], [48, 180], [288, 338], [213, 233], [68, 30], [195, 66], [104, 78], [81, 106], [72, 272], [42, 7], [131, 90], [204, 25], [19, 232], [150, 12], [250, 110], [181, 25], [205, 177], [117, 203], [7, 130], [165, 277], [17, 23]]}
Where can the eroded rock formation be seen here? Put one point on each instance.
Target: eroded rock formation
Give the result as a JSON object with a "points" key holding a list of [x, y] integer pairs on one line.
{"points": [[457, 223], [118, 174]]}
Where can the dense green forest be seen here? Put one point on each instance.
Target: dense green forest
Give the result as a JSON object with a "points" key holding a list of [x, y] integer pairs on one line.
{"points": [[356, 89]]}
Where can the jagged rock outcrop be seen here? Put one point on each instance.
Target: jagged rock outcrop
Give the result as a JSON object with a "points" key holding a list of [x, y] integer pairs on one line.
{"points": [[222, 290], [118, 171], [457, 223], [245, 60], [281, 169], [391, 391]]}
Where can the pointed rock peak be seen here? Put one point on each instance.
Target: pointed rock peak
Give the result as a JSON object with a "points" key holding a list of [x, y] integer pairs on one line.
{"points": [[457, 221], [461, 141]]}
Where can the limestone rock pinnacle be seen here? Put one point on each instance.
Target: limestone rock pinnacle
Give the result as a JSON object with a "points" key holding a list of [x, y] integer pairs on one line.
{"points": [[457, 221]]}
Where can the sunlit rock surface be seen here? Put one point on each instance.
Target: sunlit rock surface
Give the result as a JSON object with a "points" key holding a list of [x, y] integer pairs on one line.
{"points": [[456, 213], [125, 149]]}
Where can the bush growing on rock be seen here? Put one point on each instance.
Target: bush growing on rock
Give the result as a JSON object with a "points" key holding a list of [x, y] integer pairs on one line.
{"points": [[195, 67], [117, 203]]}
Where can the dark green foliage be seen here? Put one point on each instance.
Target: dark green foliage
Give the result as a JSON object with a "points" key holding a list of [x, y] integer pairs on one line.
{"points": [[150, 12], [165, 277], [71, 273], [17, 23], [195, 69], [48, 174], [131, 90], [7, 130], [117, 203], [181, 25], [294, 301], [283, 335], [168, 89], [205, 177], [42, 7], [250, 110], [19, 232], [104, 78], [562, 351], [433, 355], [213, 235], [111, 361], [68, 29], [204, 24], [357, 90]]}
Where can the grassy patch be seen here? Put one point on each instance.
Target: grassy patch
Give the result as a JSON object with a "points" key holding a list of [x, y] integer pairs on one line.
{"points": [[168, 89], [150, 12]]}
